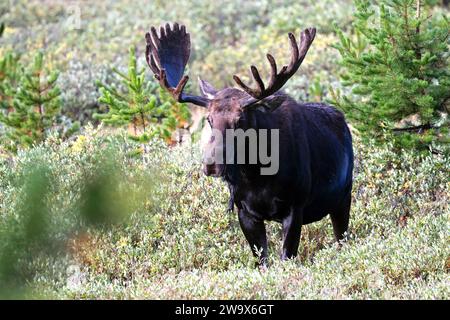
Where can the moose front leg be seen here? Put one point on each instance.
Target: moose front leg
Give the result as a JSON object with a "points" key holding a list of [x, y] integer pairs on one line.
{"points": [[255, 233], [292, 226]]}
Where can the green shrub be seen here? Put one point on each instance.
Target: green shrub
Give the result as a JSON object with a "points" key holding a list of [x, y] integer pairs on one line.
{"points": [[55, 202], [180, 241], [398, 67], [140, 107]]}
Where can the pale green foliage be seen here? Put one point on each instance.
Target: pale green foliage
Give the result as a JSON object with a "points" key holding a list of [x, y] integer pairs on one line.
{"points": [[181, 242], [50, 197]]}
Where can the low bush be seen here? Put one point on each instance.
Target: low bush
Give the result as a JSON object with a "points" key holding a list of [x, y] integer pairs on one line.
{"points": [[180, 241]]}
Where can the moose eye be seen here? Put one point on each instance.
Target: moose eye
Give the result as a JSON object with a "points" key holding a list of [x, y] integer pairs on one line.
{"points": [[209, 121]]}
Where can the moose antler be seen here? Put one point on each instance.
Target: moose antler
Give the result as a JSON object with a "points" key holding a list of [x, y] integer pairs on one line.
{"points": [[167, 56], [277, 80]]}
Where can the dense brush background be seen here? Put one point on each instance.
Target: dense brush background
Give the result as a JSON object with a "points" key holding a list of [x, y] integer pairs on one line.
{"points": [[177, 239]]}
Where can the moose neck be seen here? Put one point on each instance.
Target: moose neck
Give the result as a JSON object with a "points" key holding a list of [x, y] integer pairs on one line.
{"points": [[270, 113], [239, 173]]}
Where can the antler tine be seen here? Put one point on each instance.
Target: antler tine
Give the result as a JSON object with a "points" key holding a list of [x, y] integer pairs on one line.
{"points": [[258, 79], [273, 67], [277, 80], [168, 30], [162, 33], [306, 39], [246, 88], [149, 56], [294, 64], [155, 37]]}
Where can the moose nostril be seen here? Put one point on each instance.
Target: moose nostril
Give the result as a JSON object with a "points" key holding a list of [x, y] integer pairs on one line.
{"points": [[209, 169]]}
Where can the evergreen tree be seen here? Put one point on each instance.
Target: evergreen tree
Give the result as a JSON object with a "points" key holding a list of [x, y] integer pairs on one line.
{"points": [[142, 106], [32, 103], [397, 64], [9, 76]]}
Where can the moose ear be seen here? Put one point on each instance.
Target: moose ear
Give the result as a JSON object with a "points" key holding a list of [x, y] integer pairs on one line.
{"points": [[206, 89]]}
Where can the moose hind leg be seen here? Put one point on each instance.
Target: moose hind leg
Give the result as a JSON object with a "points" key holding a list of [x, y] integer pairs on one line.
{"points": [[255, 232], [340, 218]]}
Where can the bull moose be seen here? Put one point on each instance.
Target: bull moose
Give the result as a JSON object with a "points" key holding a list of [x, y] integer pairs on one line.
{"points": [[315, 152]]}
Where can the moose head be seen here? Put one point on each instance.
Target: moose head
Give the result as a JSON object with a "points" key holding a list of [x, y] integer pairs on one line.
{"points": [[167, 54]]}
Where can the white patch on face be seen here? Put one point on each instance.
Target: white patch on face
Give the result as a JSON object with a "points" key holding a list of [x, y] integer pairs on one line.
{"points": [[205, 135]]}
